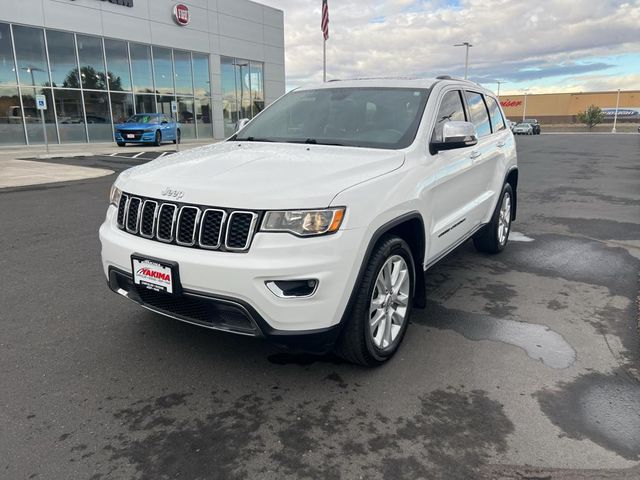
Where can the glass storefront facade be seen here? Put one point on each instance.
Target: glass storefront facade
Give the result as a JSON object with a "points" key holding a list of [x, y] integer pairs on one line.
{"points": [[242, 90], [91, 83]]}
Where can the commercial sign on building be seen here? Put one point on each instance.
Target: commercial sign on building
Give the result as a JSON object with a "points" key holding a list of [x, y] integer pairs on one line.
{"points": [[181, 14]]}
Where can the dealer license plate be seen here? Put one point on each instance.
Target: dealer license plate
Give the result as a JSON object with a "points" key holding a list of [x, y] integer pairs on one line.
{"points": [[154, 275], [130, 135]]}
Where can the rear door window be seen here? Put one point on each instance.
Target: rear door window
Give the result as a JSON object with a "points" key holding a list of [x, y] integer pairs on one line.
{"points": [[497, 120], [478, 113], [451, 109]]}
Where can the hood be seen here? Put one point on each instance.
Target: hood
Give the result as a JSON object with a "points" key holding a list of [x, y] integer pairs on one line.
{"points": [[259, 175]]}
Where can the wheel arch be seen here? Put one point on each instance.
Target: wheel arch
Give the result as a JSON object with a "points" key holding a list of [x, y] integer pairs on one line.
{"points": [[512, 179], [409, 227]]}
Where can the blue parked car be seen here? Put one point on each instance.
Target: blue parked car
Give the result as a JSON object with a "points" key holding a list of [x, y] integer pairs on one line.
{"points": [[152, 128]]}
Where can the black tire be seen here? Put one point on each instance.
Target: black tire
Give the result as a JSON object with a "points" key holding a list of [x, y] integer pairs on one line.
{"points": [[355, 343], [178, 134], [158, 141], [121, 144], [487, 240]]}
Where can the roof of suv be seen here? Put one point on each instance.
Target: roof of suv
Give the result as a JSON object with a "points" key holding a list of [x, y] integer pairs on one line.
{"points": [[426, 83]]}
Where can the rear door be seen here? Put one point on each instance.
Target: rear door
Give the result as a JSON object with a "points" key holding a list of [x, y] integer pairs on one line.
{"points": [[485, 157]]}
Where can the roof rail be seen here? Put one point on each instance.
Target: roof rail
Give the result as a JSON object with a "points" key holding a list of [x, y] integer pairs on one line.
{"points": [[443, 77]]}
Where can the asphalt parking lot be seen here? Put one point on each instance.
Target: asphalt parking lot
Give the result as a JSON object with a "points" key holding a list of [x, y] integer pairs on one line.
{"points": [[524, 365]]}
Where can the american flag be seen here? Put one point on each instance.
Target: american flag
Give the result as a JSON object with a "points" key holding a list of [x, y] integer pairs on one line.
{"points": [[324, 25]]}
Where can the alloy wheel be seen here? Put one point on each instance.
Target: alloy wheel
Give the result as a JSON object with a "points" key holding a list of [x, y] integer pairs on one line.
{"points": [[389, 302]]}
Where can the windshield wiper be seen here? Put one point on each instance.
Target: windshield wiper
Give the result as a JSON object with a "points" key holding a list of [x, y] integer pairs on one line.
{"points": [[253, 139], [313, 141]]}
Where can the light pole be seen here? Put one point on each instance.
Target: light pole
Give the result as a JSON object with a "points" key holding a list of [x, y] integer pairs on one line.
{"points": [[466, 57], [499, 82], [524, 111], [615, 118]]}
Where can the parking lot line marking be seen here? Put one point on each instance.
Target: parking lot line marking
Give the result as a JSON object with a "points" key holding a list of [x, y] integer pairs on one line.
{"points": [[519, 237], [137, 155], [113, 154], [162, 155]]}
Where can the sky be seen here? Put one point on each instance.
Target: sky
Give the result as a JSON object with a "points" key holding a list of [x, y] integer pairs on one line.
{"points": [[541, 45]]}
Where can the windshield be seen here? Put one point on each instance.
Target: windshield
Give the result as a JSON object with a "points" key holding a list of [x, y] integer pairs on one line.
{"points": [[529, 120], [357, 117], [142, 118]]}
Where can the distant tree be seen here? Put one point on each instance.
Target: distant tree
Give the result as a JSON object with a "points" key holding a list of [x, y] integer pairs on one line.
{"points": [[592, 117], [91, 79]]}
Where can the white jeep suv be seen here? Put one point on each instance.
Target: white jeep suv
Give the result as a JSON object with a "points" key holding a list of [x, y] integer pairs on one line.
{"points": [[313, 225]]}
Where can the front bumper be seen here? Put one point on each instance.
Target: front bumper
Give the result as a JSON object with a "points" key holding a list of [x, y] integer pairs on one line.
{"points": [[239, 278], [146, 137]]}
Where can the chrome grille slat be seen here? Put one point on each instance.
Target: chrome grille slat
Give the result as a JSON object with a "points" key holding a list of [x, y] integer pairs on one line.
{"points": [[166, 221], [187, 225], [240, 228], [133, 215], [148, 218], [211, 226], [122, 210]]}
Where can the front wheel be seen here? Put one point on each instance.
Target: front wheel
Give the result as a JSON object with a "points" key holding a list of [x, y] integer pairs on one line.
{"points": [[382, 307], [158, 140], [494, 236]]}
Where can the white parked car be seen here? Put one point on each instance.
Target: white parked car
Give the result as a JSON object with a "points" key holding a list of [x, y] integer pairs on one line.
{"points": [[523, 129], [314, 224]]}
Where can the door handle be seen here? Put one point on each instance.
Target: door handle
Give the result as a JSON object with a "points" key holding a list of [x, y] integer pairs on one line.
{"points": [[501, 144], [475, 155]]}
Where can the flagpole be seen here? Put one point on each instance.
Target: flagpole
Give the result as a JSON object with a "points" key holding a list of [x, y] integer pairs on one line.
{"points": [[324, 61]]}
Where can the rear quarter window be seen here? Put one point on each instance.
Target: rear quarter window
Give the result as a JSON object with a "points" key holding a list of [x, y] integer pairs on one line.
{"points": [[497, 120]]}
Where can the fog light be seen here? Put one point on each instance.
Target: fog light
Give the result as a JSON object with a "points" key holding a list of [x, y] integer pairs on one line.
{"points": [[292, 288]]}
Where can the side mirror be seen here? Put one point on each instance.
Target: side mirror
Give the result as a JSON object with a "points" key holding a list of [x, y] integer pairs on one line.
{"points": [[456, 134], [241, 124], [164, 122]]}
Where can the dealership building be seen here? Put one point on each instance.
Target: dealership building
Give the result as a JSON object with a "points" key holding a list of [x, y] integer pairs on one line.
{"points": [[97, 62], [563, 108]]}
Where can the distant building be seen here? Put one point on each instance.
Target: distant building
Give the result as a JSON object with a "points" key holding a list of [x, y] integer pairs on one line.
{"points": [[99, 61], [562, 108]]}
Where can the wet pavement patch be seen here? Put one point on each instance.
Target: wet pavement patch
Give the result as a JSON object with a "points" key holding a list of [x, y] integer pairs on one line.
{"points": [[602, 408], [538, 341], [577, 259], [449, 434]]}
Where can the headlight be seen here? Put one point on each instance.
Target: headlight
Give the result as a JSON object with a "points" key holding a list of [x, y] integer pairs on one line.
{"points": [[304, 222], [149, 130], [114, 196]]}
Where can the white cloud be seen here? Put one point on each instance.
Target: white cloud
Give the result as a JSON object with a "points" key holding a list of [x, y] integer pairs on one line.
{"points": [[409, 37]]}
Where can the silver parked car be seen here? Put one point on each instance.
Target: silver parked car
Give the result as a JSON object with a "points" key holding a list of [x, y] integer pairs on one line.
{"points": [[523, 129]]}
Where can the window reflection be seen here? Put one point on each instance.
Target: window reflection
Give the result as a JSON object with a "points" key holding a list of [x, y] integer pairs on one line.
{"points": [[11, 128], [7, 67], [242, 91], [31, 59], [204, 117], [96, 105], [33, 119], [91, 62], [62, 57], [201, 76], [70, 115], [186, 117], [118, 73], [121, 106], [141, 68], [163, 70], [145, 104], [182, 66]]}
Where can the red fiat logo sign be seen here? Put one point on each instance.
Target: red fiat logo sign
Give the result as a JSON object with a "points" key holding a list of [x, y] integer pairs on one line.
{"points": [[181, 14]]}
